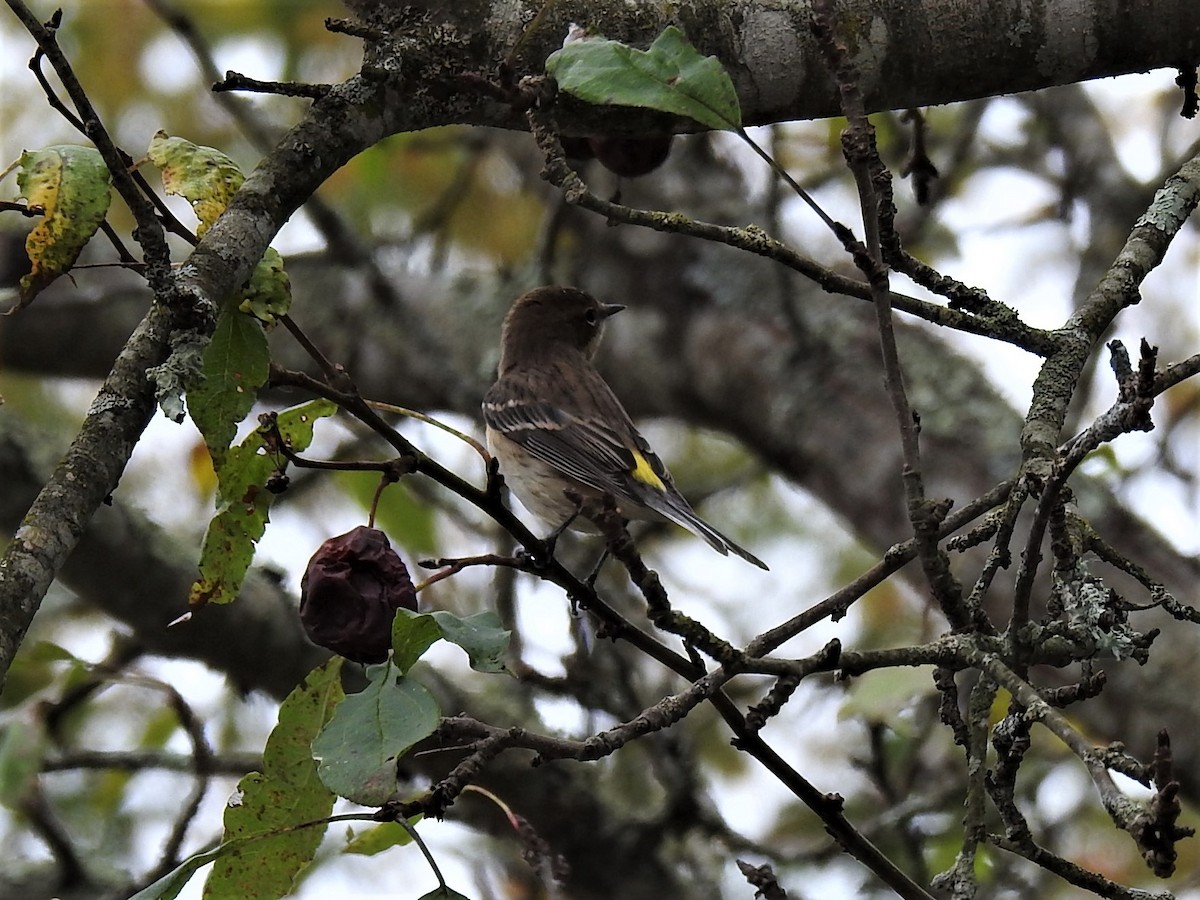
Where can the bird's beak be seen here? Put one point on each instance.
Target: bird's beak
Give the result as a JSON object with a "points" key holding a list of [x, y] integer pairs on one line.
{"points": [[610, 309]]}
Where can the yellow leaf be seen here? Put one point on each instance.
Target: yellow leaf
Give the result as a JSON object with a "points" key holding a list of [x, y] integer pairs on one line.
{"points": [[71, 184], [204, 176]]}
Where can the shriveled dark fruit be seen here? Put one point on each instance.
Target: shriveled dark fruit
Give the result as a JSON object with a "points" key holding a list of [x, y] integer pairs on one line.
{"points": [[576, 147], [630, 157], [350, 592], [278, 482]]}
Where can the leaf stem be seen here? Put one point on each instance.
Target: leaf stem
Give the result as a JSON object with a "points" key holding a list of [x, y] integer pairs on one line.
{"points": [[791, 182], [412, 832], [428, 420], [504, 807]]}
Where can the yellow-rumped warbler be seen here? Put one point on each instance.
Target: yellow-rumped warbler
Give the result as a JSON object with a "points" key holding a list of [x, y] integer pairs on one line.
{"points": [[556, 427]]}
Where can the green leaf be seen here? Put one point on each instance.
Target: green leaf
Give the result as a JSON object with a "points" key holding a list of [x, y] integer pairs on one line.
{"points": [[205, 177], [169, 886], [49, 652], [443, 893], [71, 183], [670, 77], [357, 750], [268, 294], [158, 728], [39, 665], [285, 795], [244, 505], [877, 698], [21, 745], [236, 364], [381, 837], [481, 635], [412, 634]]}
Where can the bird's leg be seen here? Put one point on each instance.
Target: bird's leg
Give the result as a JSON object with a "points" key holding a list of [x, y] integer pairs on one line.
{"points": [[590, 581], [615, 527], [546, 551]]}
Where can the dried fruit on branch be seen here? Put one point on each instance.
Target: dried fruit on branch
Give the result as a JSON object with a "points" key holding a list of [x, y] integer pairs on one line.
{"points": [[350, 592]]}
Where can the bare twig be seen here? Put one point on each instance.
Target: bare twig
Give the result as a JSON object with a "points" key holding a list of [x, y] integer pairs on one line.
{"points": [[45, 824], [875, 198], [143, 760], [754, 240], [235, 81], [29, 211], [763, 880]]}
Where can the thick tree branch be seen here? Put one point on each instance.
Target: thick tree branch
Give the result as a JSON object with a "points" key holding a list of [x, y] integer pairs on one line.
{"points": [[1056, 382], [909, 54]]}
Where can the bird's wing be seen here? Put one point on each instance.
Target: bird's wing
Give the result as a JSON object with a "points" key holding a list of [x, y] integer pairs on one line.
{"points": [[611, 457]]}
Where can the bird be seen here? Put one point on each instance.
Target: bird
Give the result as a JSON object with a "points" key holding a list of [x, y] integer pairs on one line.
{"points": [[560, 435]]}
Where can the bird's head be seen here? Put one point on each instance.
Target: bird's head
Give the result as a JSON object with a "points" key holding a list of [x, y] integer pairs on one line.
{"points": [[547, 318]]}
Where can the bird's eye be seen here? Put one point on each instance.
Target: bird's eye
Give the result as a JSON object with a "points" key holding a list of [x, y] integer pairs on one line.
{"points": [[590, 317]]}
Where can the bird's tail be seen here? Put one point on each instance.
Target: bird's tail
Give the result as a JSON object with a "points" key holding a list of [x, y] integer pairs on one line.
{"points": [[678, 511]]}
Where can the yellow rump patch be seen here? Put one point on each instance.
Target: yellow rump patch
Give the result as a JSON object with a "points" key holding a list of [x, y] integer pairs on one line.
{"points": [[644, 472]]}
